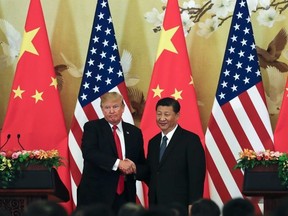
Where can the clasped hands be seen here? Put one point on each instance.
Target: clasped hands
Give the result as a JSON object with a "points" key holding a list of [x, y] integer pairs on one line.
{"points": [[127, 166]]}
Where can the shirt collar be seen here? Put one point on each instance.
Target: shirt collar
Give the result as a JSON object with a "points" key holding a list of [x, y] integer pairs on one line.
{"points": [[170, 134], [120, 128]]}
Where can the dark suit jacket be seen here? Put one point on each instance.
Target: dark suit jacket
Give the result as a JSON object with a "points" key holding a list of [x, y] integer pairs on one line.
{"points": [[179, 177], [99, 181]]}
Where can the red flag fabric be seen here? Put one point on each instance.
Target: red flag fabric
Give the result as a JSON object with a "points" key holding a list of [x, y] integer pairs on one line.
{"points": [[172, 77], [102, 73], [239, 117], [34, 112], [281, 129]]}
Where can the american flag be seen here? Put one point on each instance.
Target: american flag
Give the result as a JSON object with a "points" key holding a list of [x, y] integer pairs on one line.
{"points": [[239, 117], [102, 73]]}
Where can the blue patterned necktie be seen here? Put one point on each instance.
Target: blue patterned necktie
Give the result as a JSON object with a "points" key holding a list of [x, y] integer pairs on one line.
{"points": [[163, 147]]}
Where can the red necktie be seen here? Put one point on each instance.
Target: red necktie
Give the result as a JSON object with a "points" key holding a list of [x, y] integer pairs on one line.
{"points": [[120, 187]]}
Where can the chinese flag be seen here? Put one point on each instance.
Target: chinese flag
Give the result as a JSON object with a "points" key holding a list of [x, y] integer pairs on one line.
{"points": [[34, 118], [172, 77], [281, 130]]}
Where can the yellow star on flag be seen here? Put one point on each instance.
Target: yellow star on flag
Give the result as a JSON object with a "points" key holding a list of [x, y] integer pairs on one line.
{"points": [[54, 82], [191, 81], [166, 41], [286, 92], [157, 91], [18, 92], [177, 94], [38, 96], [27, 44]]}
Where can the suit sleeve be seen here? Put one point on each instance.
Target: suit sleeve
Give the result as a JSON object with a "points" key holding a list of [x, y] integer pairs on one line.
{"points": [[139, 160], [143, 173], [95, 147]]}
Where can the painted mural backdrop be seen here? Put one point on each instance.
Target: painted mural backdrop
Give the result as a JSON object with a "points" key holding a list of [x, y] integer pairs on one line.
{"points": [[137, 26]]}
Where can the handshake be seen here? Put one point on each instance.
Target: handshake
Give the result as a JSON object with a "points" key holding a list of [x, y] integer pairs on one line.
{"points": [[127, 166]]}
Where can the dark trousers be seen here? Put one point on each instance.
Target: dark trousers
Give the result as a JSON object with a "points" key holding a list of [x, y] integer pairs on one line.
{"points": [[118, 202]]}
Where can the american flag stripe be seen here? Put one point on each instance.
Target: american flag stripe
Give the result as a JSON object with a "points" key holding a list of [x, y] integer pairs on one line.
{"points": [[76, 175], [212, 189], [239, 117], [222, 177], [74, 189], [76, 132], [76, 164], [102, 73], [225, 165], [74, 151], [222, 186], [235, 122], [90, 112], [226, 130], [236, 125], [216, 182], [242, 128], [79, 111]]}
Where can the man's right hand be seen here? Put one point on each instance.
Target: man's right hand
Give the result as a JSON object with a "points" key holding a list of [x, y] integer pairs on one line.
{"points": [[127, 167]]}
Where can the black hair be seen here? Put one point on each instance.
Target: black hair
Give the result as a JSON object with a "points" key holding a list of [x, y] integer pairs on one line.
{"points": [[167, 101], [205, 207], [238, 207]]}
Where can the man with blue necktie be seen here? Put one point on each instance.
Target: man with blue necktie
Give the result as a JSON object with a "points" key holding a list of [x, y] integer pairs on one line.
{"points": [[176, 160]]}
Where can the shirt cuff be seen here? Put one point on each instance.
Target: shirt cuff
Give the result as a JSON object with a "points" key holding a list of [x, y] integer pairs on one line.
{"points": [[116, 164]]}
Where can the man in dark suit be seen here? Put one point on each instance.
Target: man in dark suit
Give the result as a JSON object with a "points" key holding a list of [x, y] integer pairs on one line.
{"points": [[178, 175], [104, 167]]}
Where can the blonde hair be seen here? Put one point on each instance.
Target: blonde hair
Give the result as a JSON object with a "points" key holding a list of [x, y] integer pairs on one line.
{"points": [[111, 96]]}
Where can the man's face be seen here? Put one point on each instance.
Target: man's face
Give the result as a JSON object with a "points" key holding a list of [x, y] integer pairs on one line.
{"points": [[112, 111], [166, 118]]}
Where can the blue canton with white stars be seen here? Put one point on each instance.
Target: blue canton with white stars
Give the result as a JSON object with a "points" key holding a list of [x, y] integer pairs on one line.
{"points": [[103, 70], [240, 69]]}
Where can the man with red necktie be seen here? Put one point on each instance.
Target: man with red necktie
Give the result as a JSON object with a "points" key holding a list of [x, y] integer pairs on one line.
{"points": [[112, 150]]}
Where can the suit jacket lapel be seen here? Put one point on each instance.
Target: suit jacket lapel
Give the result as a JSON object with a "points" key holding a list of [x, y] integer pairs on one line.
{"points": [[127, 140], [156, 150], [171, 145], [108, 133]]}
